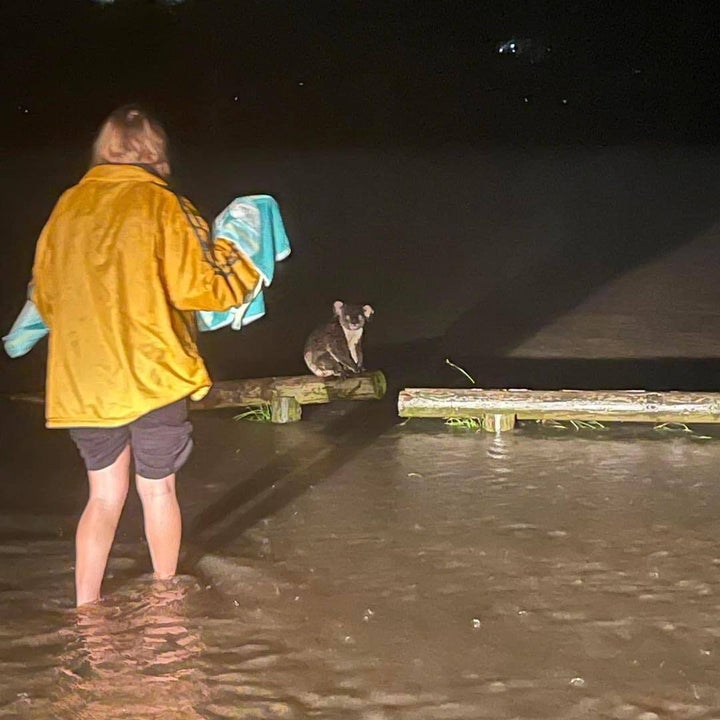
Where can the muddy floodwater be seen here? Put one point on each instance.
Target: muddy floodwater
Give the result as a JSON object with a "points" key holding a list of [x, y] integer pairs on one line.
{"points": [[428, 573], [352, 566]]}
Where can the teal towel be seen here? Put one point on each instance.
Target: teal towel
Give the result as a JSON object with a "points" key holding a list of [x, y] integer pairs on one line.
{"points": [[27, 330], [254, 224]]}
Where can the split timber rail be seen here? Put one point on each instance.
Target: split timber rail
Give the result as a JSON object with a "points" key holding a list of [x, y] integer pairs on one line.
{"points": [[497, 410], [285, 395]]}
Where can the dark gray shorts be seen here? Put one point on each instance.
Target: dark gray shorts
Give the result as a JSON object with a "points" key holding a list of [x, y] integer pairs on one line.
{"points": [[161, 442]]}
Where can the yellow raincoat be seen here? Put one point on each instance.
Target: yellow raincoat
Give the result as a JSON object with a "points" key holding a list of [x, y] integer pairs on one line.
{"points": [[118, 271]]}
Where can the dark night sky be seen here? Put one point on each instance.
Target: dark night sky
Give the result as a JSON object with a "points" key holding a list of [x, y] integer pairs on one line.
{"points": [[336, 72]]}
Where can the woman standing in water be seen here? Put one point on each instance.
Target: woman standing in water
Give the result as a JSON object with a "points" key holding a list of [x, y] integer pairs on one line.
{"points": [[119, 267]]}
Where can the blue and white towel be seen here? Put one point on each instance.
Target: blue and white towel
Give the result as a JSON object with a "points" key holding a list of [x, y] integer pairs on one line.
{"points": [[27, 330], [253, 223]]}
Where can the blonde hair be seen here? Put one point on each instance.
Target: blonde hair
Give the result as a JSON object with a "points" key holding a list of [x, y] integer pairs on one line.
{"points": [[131, 136]]}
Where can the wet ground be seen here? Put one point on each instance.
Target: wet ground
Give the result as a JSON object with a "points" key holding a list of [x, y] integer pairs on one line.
{"points": [[352, 566], [416, 572]]}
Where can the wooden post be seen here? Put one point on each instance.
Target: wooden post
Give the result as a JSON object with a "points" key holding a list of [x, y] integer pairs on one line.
{"points": [[285, 409], [601, 405], [497, 422]]}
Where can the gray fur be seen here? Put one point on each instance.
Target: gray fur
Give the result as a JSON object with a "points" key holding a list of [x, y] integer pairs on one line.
{"points": [[335, 348]]}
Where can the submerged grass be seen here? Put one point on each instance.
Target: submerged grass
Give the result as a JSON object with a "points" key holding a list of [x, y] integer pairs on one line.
{"points": [[676, 427], [576, 424], [667, 427], [259, 413], [469, 423]]}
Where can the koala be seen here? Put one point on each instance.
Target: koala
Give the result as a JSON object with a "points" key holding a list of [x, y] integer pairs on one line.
{"points": [[335, 348]]}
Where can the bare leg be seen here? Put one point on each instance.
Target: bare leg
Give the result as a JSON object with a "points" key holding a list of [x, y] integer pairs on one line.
{"points": [[97, 526], [163, 523]]}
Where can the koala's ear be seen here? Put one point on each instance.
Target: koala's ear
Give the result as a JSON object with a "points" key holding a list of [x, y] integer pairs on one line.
{"points": [[368, 311], [338, 306]]}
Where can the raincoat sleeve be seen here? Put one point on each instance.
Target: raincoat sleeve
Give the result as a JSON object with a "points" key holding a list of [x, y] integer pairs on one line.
{"points": [[196, 278]]}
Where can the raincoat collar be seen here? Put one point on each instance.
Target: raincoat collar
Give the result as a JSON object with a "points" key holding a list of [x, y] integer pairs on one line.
{"points": [[117, 172]]}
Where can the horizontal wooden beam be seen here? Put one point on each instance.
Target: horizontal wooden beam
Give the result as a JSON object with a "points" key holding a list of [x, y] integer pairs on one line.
{"points": [[305, 389], [602, 405]]}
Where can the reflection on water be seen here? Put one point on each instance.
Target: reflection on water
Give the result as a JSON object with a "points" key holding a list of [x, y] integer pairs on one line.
{"points": [[438, 574], [139, 659]]}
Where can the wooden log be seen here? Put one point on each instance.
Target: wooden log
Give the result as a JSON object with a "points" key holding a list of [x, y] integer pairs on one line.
{"points": [[285, 409], [306, 389], [34, 398], [601, 405], [497, 422]]}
